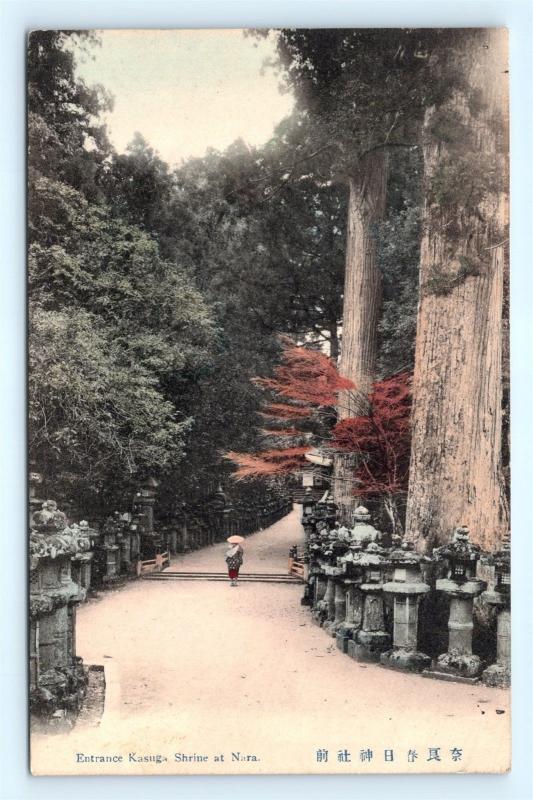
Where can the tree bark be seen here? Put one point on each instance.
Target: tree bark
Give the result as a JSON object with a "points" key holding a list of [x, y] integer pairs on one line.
{"points": [[334, 349], [362, 304], [391, 508], [455, 471]]}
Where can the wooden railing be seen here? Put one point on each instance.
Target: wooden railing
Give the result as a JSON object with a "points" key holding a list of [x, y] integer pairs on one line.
{"points": [[156, 564], [297, 567]]}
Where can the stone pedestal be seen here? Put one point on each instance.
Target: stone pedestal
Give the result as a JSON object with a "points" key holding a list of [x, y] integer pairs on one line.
{"points": [[372, 639], [81, 569], [329, 600], [110, 533], [459, 663], [135, 539], [144, 503], [320, 607], [499, 674], [173, 539], [462, 587], [353, 620], [404, 654], [334, 601], [57, 676], [339, 607], [407, 587]]}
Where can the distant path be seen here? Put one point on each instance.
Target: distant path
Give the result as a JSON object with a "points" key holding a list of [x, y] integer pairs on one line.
{"points": [[264, 552], [203, 668]]}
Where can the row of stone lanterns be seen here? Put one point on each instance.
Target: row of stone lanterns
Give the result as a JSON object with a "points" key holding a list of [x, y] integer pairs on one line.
{"points": [[354, 582]]}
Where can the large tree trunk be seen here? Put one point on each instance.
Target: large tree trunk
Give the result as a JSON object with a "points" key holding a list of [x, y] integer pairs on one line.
{"points": [[362, 303], [455, 471]]}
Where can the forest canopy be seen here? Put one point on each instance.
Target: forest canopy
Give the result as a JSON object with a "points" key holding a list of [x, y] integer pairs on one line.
{"points": [[158, 294]]}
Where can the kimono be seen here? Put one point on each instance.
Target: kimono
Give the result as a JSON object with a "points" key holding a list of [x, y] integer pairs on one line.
{"points": [[234, 559]]}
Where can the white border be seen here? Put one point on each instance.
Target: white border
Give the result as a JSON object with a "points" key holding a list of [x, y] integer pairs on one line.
{"points": [[16, 18]]}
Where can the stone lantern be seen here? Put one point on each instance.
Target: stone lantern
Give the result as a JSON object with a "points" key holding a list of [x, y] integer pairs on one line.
{"points": [[57, 676], [372, 639], [334, 597], [34, 482], [407, 587], [144, 502], [462, 587], [123, 539], [308, 503], [145, 499], [221, 510], [135, 526], [499, 674], [110, 546], [331, 509], [81, 567], [363, 531], [317, 579], [354, 575]]}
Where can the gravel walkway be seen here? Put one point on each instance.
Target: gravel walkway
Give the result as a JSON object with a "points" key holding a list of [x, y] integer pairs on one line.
{"points": [[200, 669]]}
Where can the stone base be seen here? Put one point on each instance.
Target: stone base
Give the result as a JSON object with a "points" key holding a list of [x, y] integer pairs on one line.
{"points": [[60, 690], [368, 646], [112, 581], [328, 626], [462, 665], [341, 641], [331, 627], [497, 675], [406, 660], [345, 634], [447, 676], [317, 616]]}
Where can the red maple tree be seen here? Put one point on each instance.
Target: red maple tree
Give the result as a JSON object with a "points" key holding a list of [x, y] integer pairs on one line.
{"points": [[382, 442], [305, 388], [305, 382]]}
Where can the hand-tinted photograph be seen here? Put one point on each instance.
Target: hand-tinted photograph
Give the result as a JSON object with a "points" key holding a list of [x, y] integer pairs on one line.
{"points": [[268, 398]]}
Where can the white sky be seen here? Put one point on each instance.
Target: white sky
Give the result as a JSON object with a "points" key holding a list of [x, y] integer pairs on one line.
{"points": [[187, 90]]}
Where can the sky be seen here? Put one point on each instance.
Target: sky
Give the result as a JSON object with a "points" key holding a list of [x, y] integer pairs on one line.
{"points": [[187, 90]]}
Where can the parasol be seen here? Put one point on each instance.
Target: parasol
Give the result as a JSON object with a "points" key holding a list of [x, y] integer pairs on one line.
{"points": [[235, 539]]}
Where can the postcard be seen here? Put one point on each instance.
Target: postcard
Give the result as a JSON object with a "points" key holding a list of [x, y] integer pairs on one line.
{"points": [[268, 398]]}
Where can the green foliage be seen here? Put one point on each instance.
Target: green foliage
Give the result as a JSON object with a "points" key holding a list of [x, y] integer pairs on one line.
{"points": [[465, 173], [66, 139], [268, 256], [398, 257], [117, 333], [367, 88], [97, 421], [442, 281], [157, 294]]}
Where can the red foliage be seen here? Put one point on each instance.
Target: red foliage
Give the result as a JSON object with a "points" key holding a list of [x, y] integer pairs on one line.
{"points": [[306, 376], [284, 411], [308, 380], [270, 462], [382, 439]]}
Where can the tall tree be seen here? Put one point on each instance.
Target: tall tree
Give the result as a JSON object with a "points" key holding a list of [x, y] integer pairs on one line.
{"points": [[365, 91], [67, 140], [455, 472]]}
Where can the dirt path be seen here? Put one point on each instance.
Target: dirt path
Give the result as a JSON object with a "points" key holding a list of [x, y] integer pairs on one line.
{"points": [[203, 669]]}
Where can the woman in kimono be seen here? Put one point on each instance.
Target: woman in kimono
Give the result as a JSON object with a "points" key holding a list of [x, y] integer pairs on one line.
{"points": [[234, 559]]}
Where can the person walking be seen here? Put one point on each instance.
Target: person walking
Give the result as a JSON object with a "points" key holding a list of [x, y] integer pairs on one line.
{"points": [[234, 558]]}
